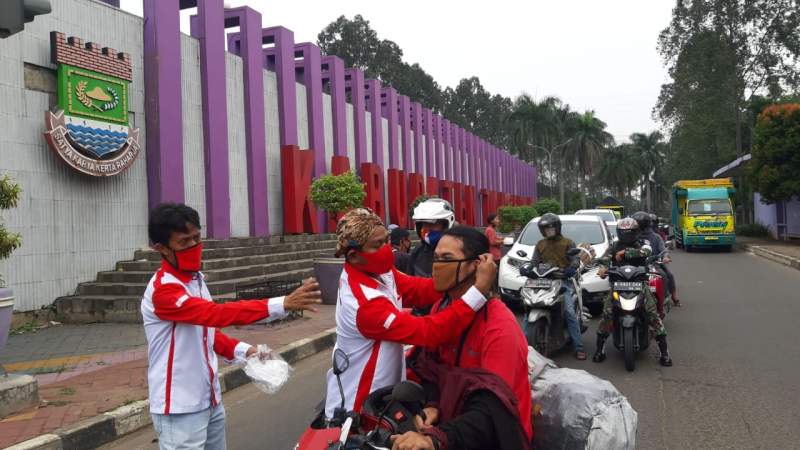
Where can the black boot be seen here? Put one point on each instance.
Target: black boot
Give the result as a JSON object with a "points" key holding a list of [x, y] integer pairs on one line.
{"points": [[664, 360], [600, 353]]}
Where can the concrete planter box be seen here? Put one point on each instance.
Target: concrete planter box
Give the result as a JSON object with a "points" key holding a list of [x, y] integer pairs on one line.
{"points": [[6, 312], [327, 270]]}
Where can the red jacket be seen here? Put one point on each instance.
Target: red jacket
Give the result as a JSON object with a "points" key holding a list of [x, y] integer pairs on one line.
{"points": [[495, 342]]}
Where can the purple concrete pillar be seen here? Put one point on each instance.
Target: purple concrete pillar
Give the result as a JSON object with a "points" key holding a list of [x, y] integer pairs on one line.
{"points": [[430, 152], [438, 152], [389, 104], [355, 85], [404, 107], [309, 72], [208, 27], [333, 77], [494, 169], [447, 151], [373, 99], [280, 59], [163, 118], [456, 153], [473, 163], [465, 157], [416, 123], [247, 44]]}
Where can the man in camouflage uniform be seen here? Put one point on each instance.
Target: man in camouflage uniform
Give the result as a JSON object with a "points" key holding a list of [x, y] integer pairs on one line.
{"points": [[630, 250]]}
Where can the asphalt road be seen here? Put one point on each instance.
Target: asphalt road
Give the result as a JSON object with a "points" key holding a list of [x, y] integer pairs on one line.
{"points": [[734, 383]]}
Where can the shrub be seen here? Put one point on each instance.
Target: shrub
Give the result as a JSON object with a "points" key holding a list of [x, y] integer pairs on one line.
{"points": [[547, 205], [515, 216], [753, 230], [9, 197], [338, 193]]}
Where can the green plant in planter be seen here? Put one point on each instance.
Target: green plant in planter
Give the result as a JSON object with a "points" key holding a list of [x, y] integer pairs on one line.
{"points": [[338, 193], [9, 196], [547, 205]]}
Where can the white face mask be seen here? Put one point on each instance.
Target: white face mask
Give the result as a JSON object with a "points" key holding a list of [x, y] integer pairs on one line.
{"points": [[549, 232]]}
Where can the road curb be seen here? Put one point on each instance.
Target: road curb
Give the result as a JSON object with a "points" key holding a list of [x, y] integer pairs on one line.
{"points": [[771, 255], [109, 426]]}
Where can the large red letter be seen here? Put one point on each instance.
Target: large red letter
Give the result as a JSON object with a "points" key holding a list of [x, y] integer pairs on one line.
{"points": [[372, 175], [398, 198], [299, 215], [416, 186], [469, 205], [433, 186]]}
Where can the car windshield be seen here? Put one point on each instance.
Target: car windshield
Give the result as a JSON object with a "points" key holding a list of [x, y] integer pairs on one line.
{"points": [[578, 232], [607, 216], [719, 207]]}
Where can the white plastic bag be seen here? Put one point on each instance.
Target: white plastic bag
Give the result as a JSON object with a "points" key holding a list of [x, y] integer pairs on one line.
{"points": [[269, 373]]}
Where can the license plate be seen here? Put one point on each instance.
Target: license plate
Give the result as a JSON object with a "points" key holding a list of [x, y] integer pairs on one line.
{"points": [[712, 238], [627, 286], [538, 283]]}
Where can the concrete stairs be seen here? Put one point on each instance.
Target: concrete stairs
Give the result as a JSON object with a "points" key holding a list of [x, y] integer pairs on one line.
{"points": [[115, 296]]}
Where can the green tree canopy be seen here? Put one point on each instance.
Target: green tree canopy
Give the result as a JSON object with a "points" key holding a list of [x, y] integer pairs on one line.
{"points": [[775, 167]]}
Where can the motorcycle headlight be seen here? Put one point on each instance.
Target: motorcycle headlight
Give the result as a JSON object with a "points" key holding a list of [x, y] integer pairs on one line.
{"points": [[514, 262]]}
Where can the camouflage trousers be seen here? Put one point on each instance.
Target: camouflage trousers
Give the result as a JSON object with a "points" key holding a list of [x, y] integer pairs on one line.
{"points": [[651, 312]]}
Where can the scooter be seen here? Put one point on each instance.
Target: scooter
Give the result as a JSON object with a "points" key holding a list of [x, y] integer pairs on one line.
{"points": [[658, 286], [631, 331], [543, 300], [387, 411]]}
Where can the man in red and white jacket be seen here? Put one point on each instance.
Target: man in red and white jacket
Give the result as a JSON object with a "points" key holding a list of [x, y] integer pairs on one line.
{"points": [[371, 325], [181, 323]]}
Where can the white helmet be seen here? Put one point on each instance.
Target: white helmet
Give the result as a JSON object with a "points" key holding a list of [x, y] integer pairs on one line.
{"points": [[434, 210]]}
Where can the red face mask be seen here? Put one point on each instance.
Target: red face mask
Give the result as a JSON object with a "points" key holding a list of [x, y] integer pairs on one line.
{"points": [[190, 259], [378, 262]]}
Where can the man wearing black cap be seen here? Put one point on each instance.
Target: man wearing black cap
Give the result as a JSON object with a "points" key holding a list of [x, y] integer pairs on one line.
{"points": [[401, 246]]}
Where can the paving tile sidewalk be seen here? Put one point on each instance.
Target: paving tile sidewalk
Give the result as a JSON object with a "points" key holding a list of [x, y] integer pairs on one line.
{"points": [[94, 383], [786, 248]]}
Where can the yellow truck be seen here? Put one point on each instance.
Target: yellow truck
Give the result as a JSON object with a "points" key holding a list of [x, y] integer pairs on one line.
{"points": [[702, 213]]}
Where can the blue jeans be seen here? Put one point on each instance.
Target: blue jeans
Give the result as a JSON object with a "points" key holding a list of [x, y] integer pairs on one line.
{"points": [[573, 327], [202, 430]]}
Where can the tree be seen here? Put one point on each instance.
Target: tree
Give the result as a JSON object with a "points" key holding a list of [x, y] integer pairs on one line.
{"points": [[775, 161], [619, 169], [719, 54], [588, 141], [649, 149], [359, 46]]}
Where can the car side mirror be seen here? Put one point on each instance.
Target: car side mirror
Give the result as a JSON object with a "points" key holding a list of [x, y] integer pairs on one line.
{"points": [[522, 253], [508, 241]]}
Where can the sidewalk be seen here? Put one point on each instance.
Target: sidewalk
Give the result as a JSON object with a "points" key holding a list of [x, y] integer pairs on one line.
{"points": [[86, 370], [783, 252]]}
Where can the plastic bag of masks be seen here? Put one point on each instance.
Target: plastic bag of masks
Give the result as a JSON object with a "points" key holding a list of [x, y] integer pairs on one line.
{"points": [[573, 409]]}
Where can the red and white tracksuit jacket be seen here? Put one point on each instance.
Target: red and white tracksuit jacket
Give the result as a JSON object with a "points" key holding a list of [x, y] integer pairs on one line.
{"points": [[180, 322], [371, 328]]}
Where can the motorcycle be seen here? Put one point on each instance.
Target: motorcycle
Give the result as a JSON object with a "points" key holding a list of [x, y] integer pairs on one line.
{"points": [[631, 332], [658, 286], [543, 302], [387, 411]]}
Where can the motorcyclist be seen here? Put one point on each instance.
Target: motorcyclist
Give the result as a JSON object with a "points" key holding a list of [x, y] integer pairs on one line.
{"points": [[553, 249], [631, 249], [671, 285], [431, 218]]}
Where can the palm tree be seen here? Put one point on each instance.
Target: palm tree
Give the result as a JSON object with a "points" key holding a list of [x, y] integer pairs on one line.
{"points": [[534, 127], [619, 169], [650, 148], [588, 142]]}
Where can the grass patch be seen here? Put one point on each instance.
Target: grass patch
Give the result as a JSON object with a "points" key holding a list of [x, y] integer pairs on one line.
{"points": [[28, 327], [45, 370], [58, 403]]}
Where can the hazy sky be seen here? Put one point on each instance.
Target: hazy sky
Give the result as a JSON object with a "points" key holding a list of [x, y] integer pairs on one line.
{"points": [[597, 54]]}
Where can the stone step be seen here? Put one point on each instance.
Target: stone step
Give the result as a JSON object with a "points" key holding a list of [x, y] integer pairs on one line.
{"points": [[271, 240], [235, 252], [223, 263], [126, 308], [226, 273], [215, 287]]}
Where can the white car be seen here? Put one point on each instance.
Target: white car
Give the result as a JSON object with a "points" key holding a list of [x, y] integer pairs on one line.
{"points": [[579, 228], [606, 214]]}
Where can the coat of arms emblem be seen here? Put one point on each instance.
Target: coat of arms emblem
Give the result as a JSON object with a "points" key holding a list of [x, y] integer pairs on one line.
{"points": [[90, 129]]}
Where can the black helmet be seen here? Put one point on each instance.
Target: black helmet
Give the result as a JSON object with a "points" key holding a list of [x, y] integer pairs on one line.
{"points": [[654, 221], [628, 230], [550, 220], [644, 220]]}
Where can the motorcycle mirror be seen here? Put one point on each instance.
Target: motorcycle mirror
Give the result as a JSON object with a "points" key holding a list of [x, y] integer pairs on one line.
{"points": [[340, 362], [408, 392], [522, 253], [508, 241]]}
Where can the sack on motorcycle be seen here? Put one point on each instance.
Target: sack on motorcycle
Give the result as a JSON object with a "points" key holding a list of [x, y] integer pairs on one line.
{"points": [[269, 373], [574, 409]]}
